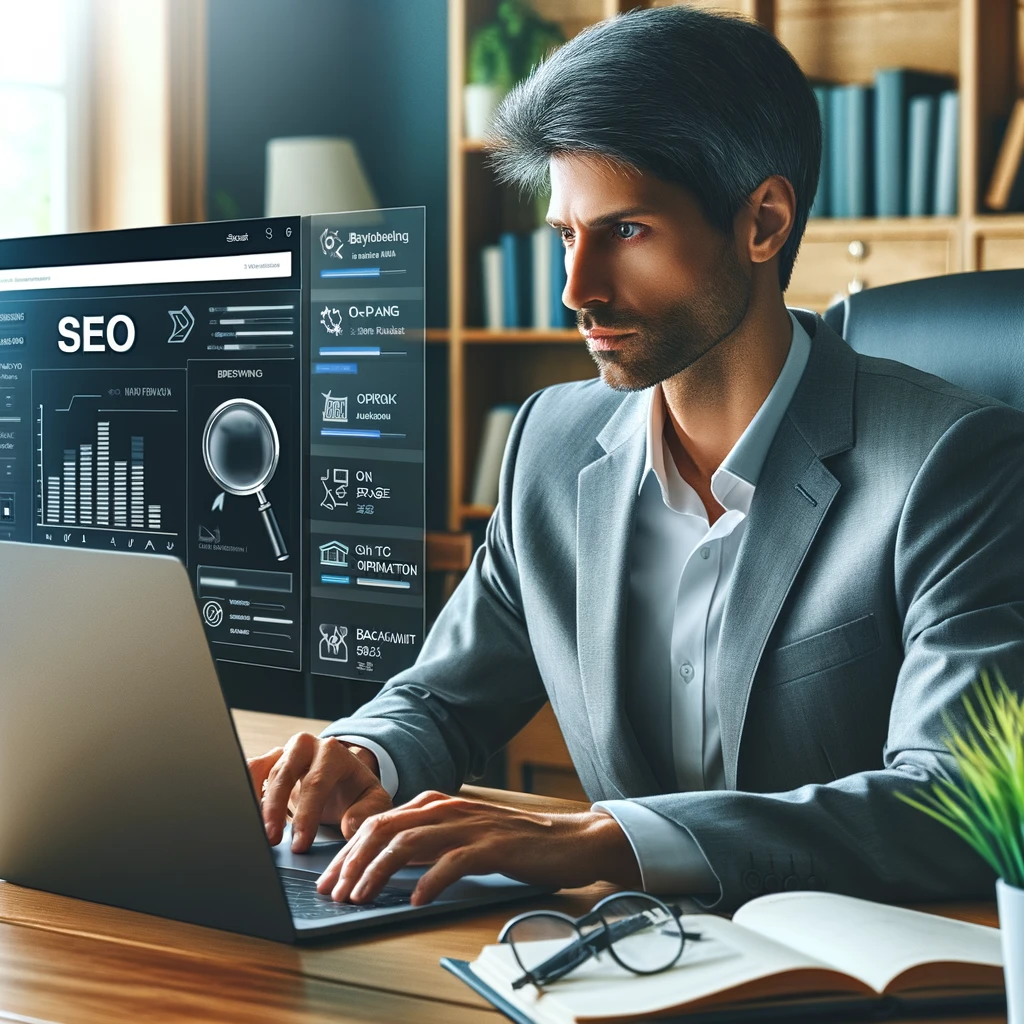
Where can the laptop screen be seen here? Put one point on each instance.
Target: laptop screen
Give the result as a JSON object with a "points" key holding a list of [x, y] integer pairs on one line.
{"points": [[247, 397]]}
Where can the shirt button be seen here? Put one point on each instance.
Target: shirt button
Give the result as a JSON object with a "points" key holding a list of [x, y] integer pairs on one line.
{"points": [[705, 552], [686, 671]]}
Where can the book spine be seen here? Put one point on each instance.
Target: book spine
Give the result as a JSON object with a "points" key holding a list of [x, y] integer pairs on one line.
{"points": [[561, 315], [920, 155], [890, 142], [837, 157], [493, 439], [822, 207], [510, 284], [946, 171], [859, 166], [540, 243], [492, 276]]}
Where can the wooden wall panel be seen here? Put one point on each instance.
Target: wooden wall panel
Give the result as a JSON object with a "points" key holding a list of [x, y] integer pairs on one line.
{"points": [[846, 40]]}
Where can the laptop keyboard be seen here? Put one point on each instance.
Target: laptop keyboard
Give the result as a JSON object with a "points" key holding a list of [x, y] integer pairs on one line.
{"points": [[307, 904]]}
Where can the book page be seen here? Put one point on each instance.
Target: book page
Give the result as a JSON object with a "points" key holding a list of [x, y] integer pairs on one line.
{"points": [[886, 947], [730, 964]]}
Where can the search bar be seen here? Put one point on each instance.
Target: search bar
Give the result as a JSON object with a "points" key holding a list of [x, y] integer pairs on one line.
{"points": [[114, 275]]}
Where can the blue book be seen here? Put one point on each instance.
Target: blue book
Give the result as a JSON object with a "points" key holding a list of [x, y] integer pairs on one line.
{"points": [[837, 130], [947, 155], [822, 207], [921, 139], [860, 191], [894, 88], [516, 281], [561, 315], [890, 142]]}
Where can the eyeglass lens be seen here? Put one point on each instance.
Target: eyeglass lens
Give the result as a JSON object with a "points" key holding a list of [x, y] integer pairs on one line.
{"points": [[538, 937], [645, 935]]}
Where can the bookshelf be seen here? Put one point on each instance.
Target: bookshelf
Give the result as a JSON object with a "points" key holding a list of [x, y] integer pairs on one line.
{"points": [[842, 41]]}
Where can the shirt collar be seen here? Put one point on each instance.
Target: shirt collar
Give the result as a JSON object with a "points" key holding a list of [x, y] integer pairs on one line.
{"points": [[733, 483]]}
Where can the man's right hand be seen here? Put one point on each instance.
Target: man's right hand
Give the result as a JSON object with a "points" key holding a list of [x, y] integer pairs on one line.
{"points": [[325, 779]]}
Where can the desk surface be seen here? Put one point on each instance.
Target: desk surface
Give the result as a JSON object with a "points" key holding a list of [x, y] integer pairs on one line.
{"points": [[64, 960]]}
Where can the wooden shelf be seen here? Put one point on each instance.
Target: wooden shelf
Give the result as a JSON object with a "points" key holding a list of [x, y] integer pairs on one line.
{"points": [[512, 336], [476, 511], [438, 334]]}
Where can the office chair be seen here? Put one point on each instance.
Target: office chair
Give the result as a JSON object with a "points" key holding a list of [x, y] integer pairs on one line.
{"points": [[967, 328]]}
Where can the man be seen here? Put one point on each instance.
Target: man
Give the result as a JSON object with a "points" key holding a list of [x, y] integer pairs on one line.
{"points": [[749, 569]]}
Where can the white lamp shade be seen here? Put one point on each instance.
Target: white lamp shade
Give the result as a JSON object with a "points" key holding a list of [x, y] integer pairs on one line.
{"points": [[315, 175]]}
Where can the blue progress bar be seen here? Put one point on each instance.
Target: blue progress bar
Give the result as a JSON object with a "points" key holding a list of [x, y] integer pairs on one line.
{"points": [[324, 578], [354, 272], [357, 350], [336, 432], [335, 368]]}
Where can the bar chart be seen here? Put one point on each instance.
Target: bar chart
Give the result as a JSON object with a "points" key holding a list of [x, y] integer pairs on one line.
{"points": [[110, 458]]}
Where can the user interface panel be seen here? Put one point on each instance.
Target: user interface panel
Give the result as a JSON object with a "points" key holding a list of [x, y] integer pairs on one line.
{"points": [[170, 391]]}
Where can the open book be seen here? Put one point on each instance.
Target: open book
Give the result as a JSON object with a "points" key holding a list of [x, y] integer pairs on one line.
{"points": [[784, 950]]}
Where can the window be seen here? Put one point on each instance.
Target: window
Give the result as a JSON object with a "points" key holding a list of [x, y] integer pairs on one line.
{"points": [[34, 116]]}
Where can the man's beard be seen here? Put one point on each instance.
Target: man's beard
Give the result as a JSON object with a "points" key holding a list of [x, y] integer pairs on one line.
{"points": [[663, 345]]}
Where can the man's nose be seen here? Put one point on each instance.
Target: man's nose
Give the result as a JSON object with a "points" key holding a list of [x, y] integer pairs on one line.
{"points": [[588, 282]]}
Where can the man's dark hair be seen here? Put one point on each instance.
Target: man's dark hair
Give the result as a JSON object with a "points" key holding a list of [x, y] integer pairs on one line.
{"points": [[708, 101]]}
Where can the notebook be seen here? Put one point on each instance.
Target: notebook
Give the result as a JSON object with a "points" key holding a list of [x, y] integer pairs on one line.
{"points": [[782, 956]]}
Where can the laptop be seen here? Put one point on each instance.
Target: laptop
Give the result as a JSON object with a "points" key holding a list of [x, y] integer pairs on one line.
{"points": [[121, 777]]}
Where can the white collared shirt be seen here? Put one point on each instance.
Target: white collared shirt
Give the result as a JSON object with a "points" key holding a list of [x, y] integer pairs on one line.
{"points": [[680, 571]]}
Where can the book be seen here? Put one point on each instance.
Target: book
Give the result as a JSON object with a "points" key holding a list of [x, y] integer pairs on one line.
{"points": [[1002, 188], [947, 156], [894, 88], [794, 951], [822, 207], [540, 244], [516, 278], [561, 314], [859, 144], [492, 274], [922, 126], [838, 145], [493, 438]]}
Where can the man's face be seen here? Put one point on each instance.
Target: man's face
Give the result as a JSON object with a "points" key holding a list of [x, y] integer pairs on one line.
{"points": [[655, 286]]}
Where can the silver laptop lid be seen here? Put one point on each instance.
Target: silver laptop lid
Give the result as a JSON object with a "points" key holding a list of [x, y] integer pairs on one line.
{"points": [[121, 778]]}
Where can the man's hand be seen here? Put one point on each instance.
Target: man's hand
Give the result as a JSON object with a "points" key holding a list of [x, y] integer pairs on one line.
{"points": [[468, 837], [333, 782]]}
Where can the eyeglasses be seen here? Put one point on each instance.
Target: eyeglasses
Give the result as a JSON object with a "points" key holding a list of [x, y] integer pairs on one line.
{"points": [[642, 934]]}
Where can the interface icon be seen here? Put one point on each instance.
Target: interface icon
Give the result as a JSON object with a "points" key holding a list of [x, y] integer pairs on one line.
{"points": [[332, 642], [183, 321]]}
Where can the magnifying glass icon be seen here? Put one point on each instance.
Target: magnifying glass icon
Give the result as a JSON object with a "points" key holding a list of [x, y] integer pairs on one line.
{"points": [[241, 449]]}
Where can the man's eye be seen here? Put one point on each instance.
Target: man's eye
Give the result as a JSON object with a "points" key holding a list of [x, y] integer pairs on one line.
{"points": [[565, 234], [626, 229]]}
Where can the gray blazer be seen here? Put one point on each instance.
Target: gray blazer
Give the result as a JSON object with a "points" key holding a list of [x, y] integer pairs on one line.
{"points": [[882, 567]]}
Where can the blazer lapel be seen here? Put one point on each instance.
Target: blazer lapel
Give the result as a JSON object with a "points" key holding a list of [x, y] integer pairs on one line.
{"points": [[793, 496], [607, 496]]}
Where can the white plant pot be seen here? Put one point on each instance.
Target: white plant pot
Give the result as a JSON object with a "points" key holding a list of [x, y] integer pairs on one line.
{"points": [[1010, 900], [479, 103]]}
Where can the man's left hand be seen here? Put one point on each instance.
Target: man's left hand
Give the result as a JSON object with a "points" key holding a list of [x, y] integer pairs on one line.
{"points": [[468, 837]]}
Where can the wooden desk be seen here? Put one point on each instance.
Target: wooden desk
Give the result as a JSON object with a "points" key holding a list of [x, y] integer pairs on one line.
{"points": [[63, 960]]}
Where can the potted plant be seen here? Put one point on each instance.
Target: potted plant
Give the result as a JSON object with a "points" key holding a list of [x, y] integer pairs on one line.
{"points": [[500, 54], [986, 809]]}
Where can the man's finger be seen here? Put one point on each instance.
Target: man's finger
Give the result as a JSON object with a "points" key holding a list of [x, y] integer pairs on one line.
{"points": [[259, 769], [456, 864], [377, 832], [293, 764], [415, 846], [332, 762], [373, 800]]}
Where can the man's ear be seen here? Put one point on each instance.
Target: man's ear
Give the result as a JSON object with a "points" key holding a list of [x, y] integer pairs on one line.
{"points": [[764, 224]]}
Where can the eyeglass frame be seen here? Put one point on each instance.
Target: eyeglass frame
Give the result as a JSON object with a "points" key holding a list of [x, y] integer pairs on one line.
{"points": [[593, 915]]}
